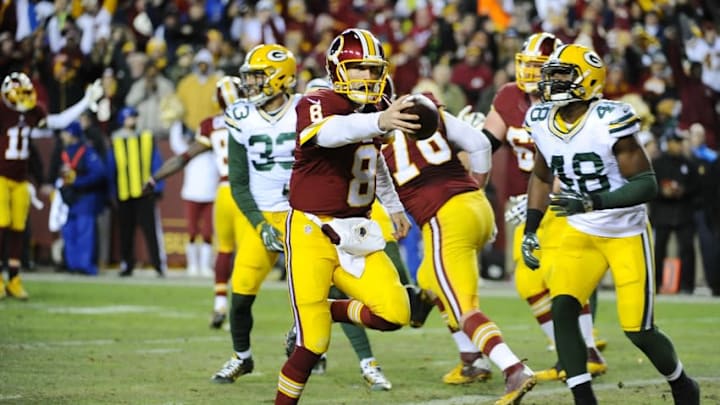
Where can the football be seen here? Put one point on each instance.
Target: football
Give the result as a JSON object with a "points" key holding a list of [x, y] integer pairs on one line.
{"points": [[428, 113]]}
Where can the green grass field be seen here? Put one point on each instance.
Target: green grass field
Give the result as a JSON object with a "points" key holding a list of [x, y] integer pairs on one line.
{"points": [[146, 341]]}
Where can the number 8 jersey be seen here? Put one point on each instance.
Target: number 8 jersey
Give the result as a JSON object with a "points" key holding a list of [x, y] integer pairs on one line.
{"points": [[581, 156], [270, 142]]}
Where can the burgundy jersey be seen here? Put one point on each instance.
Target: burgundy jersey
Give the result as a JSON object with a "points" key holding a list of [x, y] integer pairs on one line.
{"points": [[338, 182], [426, 173], [512, 104], [15, 140]]}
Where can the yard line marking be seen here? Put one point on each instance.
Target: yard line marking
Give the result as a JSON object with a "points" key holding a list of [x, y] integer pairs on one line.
{"points": [[542, 392]]}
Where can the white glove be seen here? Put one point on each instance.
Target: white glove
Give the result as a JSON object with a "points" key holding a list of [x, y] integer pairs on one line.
{"points": [[516, 210], [93, 94], [475, 119]]}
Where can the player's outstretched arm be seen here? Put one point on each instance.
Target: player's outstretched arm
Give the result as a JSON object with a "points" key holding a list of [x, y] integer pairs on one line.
{"points": [[177, 162]]}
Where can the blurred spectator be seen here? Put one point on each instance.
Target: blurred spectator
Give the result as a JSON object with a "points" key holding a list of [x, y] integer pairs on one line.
{"points": [[199, 85], [472, 75], [672, 210], [183, 64], [707, 214], [145, 96], [264, 26], [500, 77], [131, 160], [706, 50], [699, 105], [448, 93], [82, 186], [408, 66]]}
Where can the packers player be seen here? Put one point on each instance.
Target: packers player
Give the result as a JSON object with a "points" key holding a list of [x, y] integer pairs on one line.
{"points": [[212, 135], [19, 116], [503, 125], [606, 178]]}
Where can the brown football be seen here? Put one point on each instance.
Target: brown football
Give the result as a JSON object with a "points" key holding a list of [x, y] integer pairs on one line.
{"points": [[428, 113]]}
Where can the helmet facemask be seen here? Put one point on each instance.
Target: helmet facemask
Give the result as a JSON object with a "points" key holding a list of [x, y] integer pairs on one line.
{"points": [[561, 91], [361, 91], [527, 71]]}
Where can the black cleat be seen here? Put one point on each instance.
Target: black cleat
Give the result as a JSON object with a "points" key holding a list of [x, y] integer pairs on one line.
{"points": [[421, 304], [687, 394]]}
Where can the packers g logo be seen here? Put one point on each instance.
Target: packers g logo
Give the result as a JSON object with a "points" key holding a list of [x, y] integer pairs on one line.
{"points": [[593, 59], [277, 55]]}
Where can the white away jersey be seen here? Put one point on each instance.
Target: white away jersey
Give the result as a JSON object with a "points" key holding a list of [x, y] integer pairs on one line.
{"points": [[270, 143], [213, 133], [581, 156]]}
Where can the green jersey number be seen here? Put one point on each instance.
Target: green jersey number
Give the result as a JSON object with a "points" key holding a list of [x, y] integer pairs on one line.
{"points": [[264, 161], [587, 169]]}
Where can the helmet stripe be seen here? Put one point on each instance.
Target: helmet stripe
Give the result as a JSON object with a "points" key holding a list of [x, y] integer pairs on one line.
{"points": [[368, 43]]}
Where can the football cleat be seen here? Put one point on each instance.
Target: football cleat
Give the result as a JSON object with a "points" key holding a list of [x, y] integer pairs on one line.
{"points": [[232, 369], [15, 289], [217, 320], [600, 343], [687, 394], [550, 374], [468, 372], [321, 366], [518, 383], [373, 375], [421, 304]]}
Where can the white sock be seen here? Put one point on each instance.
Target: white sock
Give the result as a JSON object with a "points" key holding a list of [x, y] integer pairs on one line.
{"points": [[244, 355], [548, 329], [503, 357], [220, 303], [463, 342], [586, 328]]}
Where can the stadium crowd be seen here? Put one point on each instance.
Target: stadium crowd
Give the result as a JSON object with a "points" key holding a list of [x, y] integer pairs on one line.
{"points": [[162, 58]]}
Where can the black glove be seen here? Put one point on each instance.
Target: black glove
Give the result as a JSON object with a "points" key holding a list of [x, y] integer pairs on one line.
{"points": [[566, 203]]}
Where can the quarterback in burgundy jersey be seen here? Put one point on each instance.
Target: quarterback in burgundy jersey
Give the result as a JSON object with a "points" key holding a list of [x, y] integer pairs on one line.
{"points": [[337, 174]]}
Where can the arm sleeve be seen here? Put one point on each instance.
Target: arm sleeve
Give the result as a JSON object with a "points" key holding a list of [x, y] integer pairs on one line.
{"points": [[341, 130], [240, 182], [639, 189], [70, 114], [384, 189], [471, 141]]}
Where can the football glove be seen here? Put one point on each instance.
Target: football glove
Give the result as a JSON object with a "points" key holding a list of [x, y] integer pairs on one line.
{"points": [[94, 93], [566, 203], [516, 213], [530, 243], [475, 119], [271, 237]]}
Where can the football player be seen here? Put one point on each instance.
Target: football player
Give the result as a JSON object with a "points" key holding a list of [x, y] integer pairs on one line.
{"points": [[228, 221], [606, 178], [503, 125], [329, 239], [19, 116], [457, 221]]}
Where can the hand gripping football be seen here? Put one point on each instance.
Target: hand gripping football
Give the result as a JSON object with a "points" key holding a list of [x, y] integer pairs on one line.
{"points": [[428, 113]]}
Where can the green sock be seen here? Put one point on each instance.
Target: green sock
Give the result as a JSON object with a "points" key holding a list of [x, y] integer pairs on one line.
{"points": [[355, 334], [393, 251], [657, 347], [593, 304], [569, 342], [241, 321]]}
